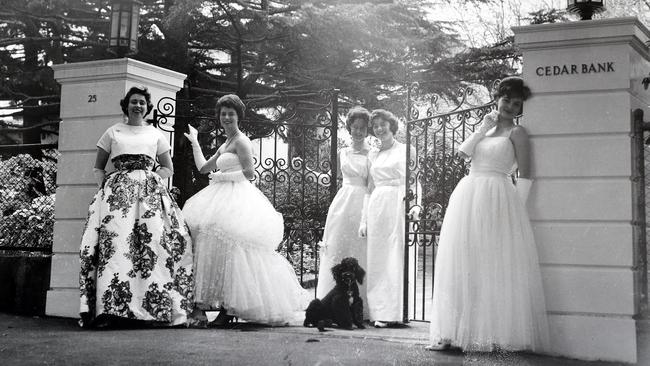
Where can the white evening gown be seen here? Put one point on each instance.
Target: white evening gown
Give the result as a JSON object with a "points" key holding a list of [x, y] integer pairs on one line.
{"points": [[385, 262], [236, 232], [487, 285], [341, 235]]}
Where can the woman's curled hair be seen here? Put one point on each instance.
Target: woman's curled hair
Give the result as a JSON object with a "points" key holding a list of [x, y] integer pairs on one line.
{"points": [[356, 113], [124, 103], [231, 101], [386, 116], [513, 87]]}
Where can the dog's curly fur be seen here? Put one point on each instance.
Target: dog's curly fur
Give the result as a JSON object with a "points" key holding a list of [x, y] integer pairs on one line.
{"points": [[342, 305]]}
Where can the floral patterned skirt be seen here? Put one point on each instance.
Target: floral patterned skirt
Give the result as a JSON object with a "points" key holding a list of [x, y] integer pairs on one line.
{"points": [[136, 253]]}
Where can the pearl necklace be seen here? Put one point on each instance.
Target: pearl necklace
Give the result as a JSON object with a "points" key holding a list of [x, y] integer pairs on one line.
{"points": [[229, 139]]}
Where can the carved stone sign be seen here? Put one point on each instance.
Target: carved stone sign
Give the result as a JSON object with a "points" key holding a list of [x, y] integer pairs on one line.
{"points": [[571, 69]]}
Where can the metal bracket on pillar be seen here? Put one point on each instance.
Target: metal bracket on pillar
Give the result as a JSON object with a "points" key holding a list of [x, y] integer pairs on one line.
{"points": [[646, 82]]}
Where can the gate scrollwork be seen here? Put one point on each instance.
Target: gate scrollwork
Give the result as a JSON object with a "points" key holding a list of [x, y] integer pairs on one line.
{"points": [[294, 138], [433, 171]]}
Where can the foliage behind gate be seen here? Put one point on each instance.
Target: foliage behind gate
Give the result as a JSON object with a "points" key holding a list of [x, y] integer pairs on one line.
{"points": [[432, 174]]}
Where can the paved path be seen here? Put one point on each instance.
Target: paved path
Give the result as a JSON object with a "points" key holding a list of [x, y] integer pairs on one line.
{"points": [[56, 341]]}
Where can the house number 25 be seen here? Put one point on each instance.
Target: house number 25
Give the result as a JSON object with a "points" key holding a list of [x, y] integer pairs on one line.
{"points": [[92, 98]]}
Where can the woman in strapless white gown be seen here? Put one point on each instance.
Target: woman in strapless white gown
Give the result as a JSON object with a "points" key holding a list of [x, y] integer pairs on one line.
{"points": [[236, 232], [487, 292]]}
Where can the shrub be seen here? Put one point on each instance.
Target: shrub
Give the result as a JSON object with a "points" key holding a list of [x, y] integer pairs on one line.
{"points": [[27, 186]]}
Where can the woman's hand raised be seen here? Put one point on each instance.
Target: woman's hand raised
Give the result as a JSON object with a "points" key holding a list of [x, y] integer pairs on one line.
{"points": [[193, 135]]}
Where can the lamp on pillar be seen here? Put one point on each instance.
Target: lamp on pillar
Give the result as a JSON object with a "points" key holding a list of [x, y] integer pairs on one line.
{"points": [[125, 16], [585, 8]]}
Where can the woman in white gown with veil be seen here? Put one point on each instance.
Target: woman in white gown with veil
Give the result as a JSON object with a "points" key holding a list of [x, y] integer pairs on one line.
{"points": [[236, 232], [487, 292]]}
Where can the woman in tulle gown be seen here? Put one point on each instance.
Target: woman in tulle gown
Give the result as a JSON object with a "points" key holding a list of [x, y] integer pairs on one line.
{"points": [[383, 222], [488, 291], [236, 231], [340, 237], [136, 253]]}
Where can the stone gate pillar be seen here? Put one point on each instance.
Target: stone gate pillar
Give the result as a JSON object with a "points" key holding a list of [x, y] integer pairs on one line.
{"points": [[90, 95], [586, 81]]}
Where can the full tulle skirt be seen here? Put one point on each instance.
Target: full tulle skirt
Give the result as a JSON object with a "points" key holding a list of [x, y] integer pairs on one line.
{"points": [[488, 290], [236, 232]]}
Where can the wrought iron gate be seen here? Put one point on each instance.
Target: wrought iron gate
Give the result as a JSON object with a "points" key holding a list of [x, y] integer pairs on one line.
{"points": [[431, 176], [27, 187], [295, 139]]}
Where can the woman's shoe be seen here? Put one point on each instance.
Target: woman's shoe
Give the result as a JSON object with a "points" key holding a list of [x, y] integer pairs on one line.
{"points": [[438, 346], [86, 320], [379, 324], [222, 319]]}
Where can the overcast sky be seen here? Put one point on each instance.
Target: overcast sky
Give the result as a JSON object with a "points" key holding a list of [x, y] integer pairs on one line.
{"points": [[480, 25]]}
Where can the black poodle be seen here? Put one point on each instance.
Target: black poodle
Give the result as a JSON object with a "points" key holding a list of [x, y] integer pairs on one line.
{"points": [[341, 306]]}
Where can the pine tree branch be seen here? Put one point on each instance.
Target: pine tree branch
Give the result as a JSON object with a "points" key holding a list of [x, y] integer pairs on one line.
{"points": [[4, 42]]}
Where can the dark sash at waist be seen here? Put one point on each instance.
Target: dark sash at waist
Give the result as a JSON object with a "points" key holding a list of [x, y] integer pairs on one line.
{"points": [[133, 162]]}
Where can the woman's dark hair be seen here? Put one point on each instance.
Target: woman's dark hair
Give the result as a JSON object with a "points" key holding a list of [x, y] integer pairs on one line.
{"points": [[386, 116], [356, 113], [231, 101], [124, 103], [513, 87]]}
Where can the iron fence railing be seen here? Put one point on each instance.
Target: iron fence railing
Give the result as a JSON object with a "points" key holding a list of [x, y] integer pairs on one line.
{"points": [[27, 188]]}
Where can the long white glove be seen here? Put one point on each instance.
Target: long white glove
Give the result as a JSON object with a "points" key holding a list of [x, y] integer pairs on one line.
{"points": [[414, 213], [99, 174], [236, 176], [164, 172], [193, 137], [363, 224], [523, 188], [489, 121]]}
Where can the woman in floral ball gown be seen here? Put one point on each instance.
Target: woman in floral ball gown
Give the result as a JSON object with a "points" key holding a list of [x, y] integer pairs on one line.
{"points": [[136, 254]]}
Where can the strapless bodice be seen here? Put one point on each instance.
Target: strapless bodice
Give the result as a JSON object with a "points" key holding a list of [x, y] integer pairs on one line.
{"points": [[494, 154], [228, 162]]}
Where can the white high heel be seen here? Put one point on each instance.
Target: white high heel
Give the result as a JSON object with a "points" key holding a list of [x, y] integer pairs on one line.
{"points": [[379, 324], [438, 346]]}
